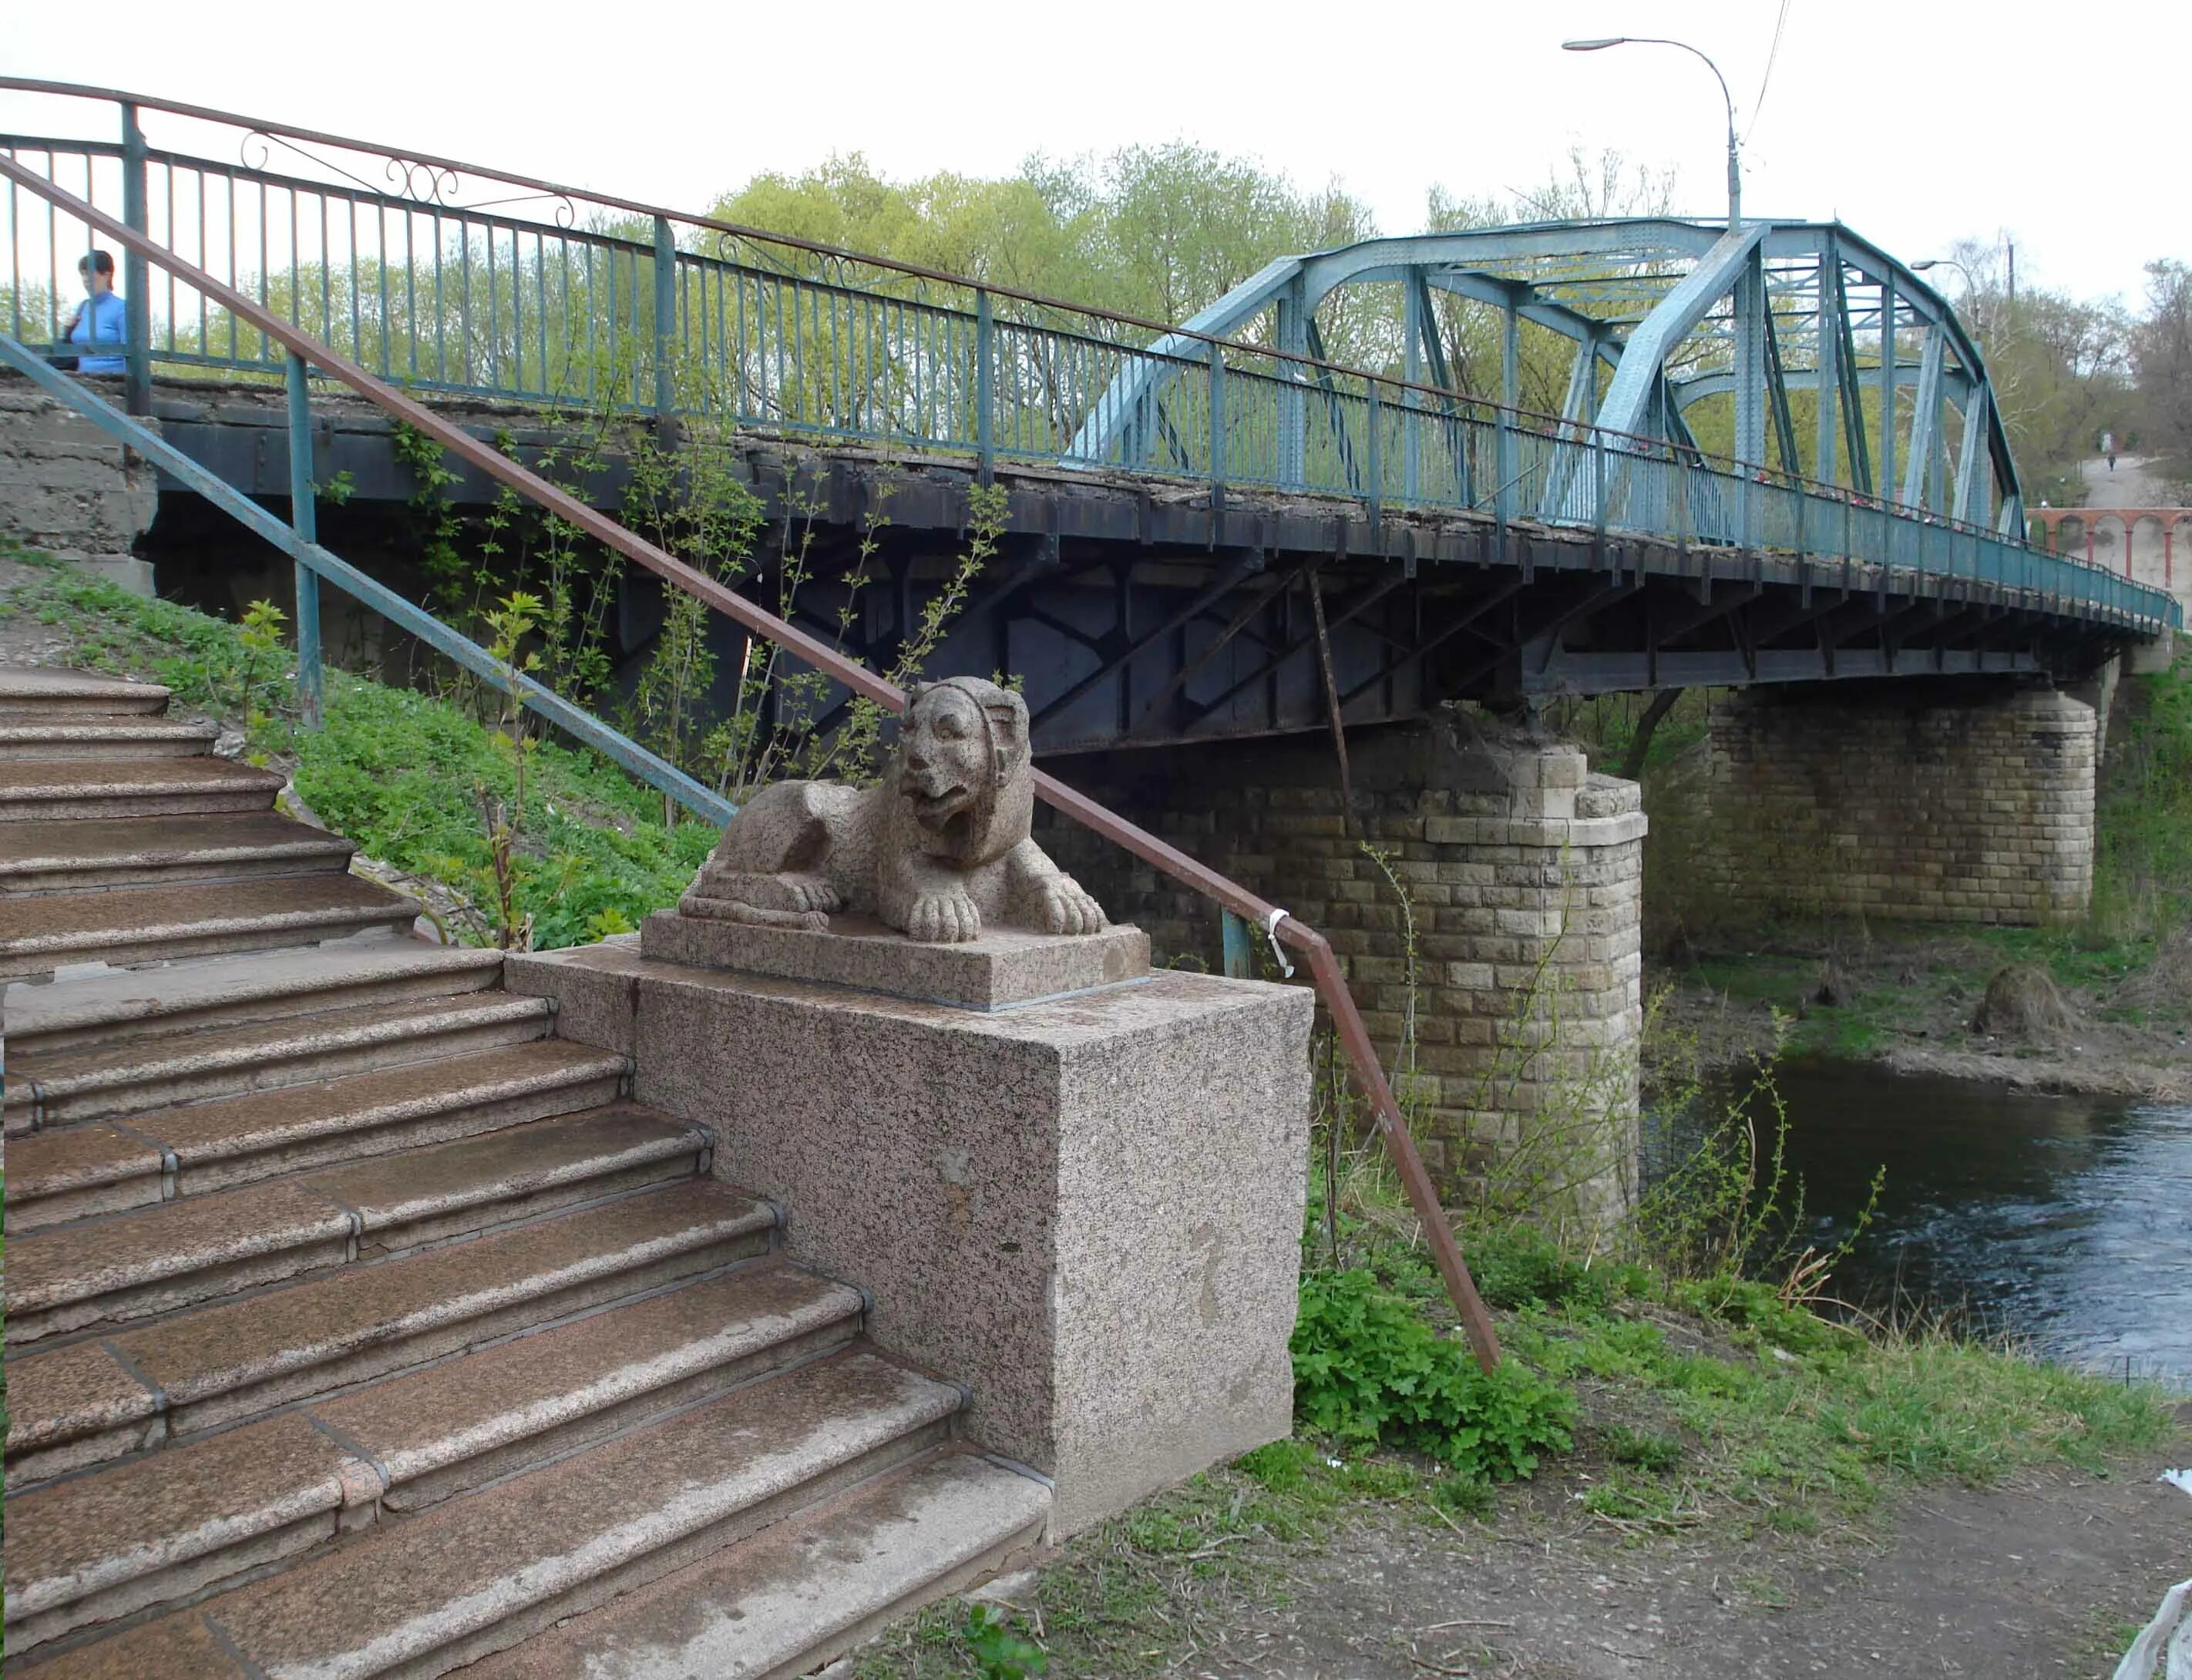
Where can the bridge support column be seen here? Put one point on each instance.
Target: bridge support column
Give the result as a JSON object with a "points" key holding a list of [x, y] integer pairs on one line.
{"points": [[1512, 963], [1911, 802]]}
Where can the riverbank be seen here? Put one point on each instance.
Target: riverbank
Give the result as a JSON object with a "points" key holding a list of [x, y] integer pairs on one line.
{"points": [[1909, 1000]]}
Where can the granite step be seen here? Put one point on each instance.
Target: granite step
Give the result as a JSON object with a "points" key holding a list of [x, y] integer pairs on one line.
{"points": [[51, 790], [133, 1005], [47, 694], [91, 1401], [806, 1590], [165, 851], [169, 1526], [104, 1271], [205, 1147], [477, 1574], [143, 738], [127, 925], [106, 1081]]}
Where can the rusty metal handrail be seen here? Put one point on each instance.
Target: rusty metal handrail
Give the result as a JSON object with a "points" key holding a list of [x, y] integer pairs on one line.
{"points": [[1230, 895]]}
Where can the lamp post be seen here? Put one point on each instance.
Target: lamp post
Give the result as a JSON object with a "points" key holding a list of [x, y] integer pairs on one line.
{"points": [[1599, 43], [1971, 285]]}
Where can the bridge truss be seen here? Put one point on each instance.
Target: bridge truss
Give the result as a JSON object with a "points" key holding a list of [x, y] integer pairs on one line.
{"points": [[1830, 359]]}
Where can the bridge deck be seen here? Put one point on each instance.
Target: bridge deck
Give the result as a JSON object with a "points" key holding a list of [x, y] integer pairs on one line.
{"points": [[1143, 609]]}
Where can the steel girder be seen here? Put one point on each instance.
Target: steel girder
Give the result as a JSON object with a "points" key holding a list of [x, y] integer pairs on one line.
{"points": [[1679, 312]]}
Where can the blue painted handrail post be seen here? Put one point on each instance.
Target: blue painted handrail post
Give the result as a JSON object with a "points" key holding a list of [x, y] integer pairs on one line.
{"points": [[1375, 462], [1598, 498], [311, 682], [666, 311], [136, 274], [1240, 946], [1217, 412], [985, 334]]}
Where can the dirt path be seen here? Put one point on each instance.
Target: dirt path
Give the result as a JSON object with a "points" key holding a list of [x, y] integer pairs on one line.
{"points": [[2047, 1578]]}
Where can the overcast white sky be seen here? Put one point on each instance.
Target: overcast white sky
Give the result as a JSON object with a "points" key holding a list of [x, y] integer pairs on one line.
{"points": [[1917, 122]]}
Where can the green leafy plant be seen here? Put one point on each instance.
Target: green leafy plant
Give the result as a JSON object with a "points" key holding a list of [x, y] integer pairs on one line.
{"points": [[1369, 1370], [508, 626], [258, 672], [999, 1652]]}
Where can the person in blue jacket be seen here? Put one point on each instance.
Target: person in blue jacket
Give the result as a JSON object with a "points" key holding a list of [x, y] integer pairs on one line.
{"points": [[102, 318]]}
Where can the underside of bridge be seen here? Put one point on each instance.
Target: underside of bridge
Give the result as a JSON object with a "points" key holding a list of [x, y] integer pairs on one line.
{"points": [[1145, 613]]}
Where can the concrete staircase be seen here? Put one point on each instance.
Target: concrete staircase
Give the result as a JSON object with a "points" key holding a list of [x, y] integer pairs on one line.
{"points": [[357, 1324]]}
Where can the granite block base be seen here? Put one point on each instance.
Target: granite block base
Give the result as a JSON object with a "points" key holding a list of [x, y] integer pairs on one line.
{"points": [[1087, 1211], [1004, 969]]}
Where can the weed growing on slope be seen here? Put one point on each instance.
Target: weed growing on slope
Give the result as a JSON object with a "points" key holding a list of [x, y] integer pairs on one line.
{"points": [[402, 772], [1369, 1370]]}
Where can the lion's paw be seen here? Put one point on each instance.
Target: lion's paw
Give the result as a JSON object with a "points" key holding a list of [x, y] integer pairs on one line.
{"points": [[813, 893], [1066, 908], [943, 919]]}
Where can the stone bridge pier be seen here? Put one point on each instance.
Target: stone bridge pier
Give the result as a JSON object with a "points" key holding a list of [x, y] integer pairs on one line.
{"points": [[1492, 940], [1942, 801]]}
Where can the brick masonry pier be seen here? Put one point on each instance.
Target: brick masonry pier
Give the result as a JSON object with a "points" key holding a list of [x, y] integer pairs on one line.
{"points": [[1523, 876], [1946, 803]]}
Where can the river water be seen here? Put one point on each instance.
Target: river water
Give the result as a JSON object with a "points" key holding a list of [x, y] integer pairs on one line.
{"points": [[2063, 1221]]}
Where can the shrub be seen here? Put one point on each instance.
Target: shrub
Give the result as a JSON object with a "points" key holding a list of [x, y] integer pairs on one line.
{"points": [[1369, 1370]]}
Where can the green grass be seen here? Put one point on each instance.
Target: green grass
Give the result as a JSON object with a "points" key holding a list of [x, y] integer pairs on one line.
{"points": [[1708, 1408], [397, 771]]}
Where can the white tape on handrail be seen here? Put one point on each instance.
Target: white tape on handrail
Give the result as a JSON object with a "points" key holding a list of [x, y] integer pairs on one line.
{"points": [[1271, 932]]}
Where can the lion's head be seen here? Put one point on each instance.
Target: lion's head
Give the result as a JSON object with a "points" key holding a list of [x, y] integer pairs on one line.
{"points": [[961, 770]]}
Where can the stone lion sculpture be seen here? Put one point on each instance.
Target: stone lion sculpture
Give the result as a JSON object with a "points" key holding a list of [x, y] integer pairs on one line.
{"points": [[938, 849]]}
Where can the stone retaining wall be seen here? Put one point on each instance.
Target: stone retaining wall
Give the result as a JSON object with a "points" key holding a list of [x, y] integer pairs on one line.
{"points": [[69, 488], [1523, 876], [1919, 804]]}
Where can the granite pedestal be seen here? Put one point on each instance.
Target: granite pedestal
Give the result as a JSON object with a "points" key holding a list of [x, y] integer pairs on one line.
{"points": [[1086, 1208]]}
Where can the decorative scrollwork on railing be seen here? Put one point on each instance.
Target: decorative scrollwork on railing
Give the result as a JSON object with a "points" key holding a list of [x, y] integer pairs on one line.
{"points": [[420, 182], [566, 214]]}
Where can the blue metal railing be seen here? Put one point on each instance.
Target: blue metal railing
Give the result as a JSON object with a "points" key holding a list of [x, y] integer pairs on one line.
{"points": [[315, 563], [636, 312]]}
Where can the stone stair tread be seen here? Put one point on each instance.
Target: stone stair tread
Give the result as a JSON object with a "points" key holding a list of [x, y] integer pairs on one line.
{"points": [[56, 779], [82, 1262], [76, 1157], [228, 984], [155, 842], [227, 1346], [80, 925], [69, 1393], [802, 1590], [43, 686], [257, 1043], [91, 1534], [417, 1589], [399, 1189], [201, 1134], [95, 1533], [94, 732], [425, 1420]]}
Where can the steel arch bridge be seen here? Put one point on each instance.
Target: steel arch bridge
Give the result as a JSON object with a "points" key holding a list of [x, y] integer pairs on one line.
{"points": [[1798, 328], [1496, 464]]}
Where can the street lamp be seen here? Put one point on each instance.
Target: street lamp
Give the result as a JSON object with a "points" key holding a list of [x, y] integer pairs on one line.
{"points": [[1971, 284], [1599, 43]]}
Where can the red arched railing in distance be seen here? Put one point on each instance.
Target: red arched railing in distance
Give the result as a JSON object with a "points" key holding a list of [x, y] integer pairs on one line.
{"points": [[2090, 519], [1229, 895]]}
